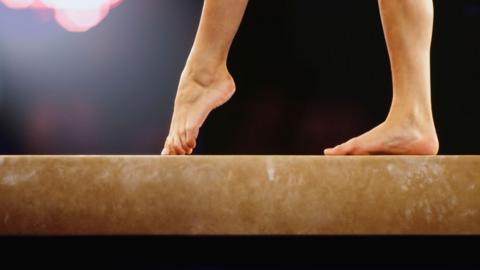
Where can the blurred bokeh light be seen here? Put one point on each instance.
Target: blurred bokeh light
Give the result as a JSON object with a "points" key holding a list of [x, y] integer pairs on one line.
{"points": [[73, 16]]}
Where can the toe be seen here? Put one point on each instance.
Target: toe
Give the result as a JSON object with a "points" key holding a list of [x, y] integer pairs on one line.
{"points": [[335, 151], [352, 147], [167, 148], [345, 148], [182, 140], [191, 133], [177, 146], [342, 149], [189, 136], [328, 151]]}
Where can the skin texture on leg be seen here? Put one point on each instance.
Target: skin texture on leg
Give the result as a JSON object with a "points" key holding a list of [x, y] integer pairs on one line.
{"points": [[409, 128], [205, 83]]}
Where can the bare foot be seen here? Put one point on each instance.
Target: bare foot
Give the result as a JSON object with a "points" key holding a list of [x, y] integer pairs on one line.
{"points": [[198, 94], [390, 138]]}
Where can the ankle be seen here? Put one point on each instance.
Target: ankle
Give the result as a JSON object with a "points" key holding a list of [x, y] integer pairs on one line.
{"points": [[412, 118], [205, 75]]}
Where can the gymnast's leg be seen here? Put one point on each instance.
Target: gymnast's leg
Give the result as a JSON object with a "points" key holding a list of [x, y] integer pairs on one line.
{"points": [[409, 127], [205, 83]]}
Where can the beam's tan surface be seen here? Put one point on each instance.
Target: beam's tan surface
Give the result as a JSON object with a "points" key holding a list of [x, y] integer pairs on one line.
{"points": [[239, 195]]}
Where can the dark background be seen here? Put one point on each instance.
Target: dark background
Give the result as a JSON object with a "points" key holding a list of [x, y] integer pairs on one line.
{"points": [[309, 74]]}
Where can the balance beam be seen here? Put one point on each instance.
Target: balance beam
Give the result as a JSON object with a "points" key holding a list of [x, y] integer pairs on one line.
{"points": [[224, 195]]}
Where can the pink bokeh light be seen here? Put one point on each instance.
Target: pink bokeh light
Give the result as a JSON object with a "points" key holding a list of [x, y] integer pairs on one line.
{"points": [[18, 4], [72, 15]]}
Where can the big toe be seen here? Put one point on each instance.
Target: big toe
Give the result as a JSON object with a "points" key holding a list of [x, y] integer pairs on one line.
{"points": [[328, 151], [337, 150], [342, 149], [167, 148]]}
